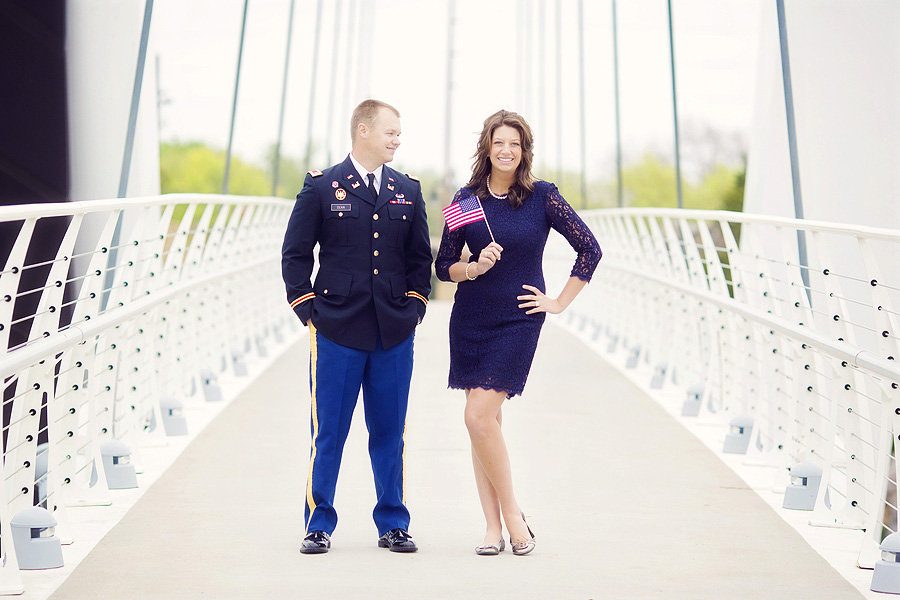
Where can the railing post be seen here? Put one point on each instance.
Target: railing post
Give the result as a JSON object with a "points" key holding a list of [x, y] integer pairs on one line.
{"points": [[100, 374]]}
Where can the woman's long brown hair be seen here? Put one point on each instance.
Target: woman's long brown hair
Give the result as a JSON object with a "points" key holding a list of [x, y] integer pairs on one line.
{"points": [[481, 167]]}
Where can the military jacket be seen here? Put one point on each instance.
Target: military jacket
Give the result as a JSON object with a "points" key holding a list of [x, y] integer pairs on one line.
{"points": [[374, 256]]}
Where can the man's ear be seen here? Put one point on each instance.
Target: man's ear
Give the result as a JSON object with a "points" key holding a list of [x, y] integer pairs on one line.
{"points": [[362, 130]]}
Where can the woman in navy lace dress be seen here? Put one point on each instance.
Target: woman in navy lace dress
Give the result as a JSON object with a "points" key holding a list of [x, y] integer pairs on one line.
{"points": [[500, 303]]}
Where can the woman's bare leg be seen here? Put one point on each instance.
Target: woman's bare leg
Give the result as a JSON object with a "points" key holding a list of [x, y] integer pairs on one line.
{"points": [[490, 503], [489, 449]]}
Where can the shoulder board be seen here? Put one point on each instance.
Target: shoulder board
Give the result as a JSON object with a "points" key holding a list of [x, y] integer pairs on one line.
{"points": [[315, 173], [411, 177]]}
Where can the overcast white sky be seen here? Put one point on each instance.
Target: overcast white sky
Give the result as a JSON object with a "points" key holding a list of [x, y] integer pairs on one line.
{"points": [[715, 48]]}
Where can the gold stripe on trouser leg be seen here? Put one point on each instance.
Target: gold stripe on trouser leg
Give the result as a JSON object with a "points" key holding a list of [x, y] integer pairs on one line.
{"points": [[403, 463], [313, 365]]}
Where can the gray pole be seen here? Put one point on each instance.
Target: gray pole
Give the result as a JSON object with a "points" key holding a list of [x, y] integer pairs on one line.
{"points": [[675, 110], [352, 61], [284, 80], [792, 141], [619, 184], [542, 77], [528, 56], [366, 50], [237, 80], [448, 95], [335, 46], [129, 148], [581, 102], [159, 100], [135, 100], [559, 127], [520, 45], [312, 87], [358, 53]]}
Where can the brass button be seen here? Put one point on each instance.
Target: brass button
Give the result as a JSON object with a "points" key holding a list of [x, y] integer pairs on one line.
{"points": [[375, 253], [375, 235], [340, 214], [404, 217], [375, 217], [375, 271], [325, 291]]}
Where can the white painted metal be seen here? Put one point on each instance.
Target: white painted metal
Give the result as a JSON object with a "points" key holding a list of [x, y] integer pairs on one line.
{"points": [[705, 292], [192, 279], [99, 99], [848, 140]]}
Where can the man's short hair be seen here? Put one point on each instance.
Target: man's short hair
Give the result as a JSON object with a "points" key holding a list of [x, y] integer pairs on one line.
{"points": [[366, 113]]}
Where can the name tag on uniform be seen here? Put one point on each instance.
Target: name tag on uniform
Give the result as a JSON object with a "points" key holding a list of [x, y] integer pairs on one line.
{"points": [[339, 207]]}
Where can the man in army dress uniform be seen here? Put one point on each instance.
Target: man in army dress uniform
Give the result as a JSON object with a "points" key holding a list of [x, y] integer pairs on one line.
{"points": [[370, 292]]}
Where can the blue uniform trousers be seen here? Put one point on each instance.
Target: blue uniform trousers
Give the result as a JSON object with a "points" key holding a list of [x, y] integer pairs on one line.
{"points": [[336, 374]]}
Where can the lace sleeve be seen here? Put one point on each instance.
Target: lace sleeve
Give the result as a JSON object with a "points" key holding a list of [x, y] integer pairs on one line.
{"points": [[452, 243], [566, 221]]}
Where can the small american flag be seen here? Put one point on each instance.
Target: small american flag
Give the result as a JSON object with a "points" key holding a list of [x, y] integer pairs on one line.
{"points": [[463, 212]]}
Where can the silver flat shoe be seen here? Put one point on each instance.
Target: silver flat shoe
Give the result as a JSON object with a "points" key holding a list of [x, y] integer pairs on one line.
{"points": [[491, 549], [523, 548]]}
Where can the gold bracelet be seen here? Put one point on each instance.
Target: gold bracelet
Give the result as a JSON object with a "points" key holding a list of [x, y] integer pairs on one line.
{"points": [[467, 272]]}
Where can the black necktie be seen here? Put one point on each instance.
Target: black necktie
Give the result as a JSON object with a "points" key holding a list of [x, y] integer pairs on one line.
{"points": [[372, 189]]}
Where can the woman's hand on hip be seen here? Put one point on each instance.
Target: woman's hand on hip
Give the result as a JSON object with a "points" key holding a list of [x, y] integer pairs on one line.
{"points": [[489, 255], [537, 302]]}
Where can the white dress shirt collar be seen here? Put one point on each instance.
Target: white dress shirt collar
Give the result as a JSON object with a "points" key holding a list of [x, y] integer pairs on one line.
{"points": [[362, 172]]}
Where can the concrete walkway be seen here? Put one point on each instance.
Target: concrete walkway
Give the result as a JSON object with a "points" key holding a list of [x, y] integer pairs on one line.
{"points": [[625, 503]]}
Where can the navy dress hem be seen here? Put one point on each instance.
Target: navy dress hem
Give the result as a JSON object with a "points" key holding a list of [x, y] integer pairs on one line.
{"points": [[492, 388]]}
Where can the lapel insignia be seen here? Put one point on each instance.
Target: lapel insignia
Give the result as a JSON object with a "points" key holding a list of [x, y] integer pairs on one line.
{"points": [[350, 176], [390, 187], [340, 193], [355, 185], [390, 178], [334, 184]]}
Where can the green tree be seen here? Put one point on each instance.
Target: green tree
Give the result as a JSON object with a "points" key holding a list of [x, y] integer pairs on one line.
{"points": [[291, 173], [192, 167], [719, 189], [650, 182], [734, 197], [569, 184]]}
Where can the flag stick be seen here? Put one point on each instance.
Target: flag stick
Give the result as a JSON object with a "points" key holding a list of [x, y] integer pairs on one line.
{"points": [[489, 229], [485, 219]]}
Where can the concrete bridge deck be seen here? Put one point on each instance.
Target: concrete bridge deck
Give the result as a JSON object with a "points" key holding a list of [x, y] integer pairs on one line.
{"points": [[624, 501]]}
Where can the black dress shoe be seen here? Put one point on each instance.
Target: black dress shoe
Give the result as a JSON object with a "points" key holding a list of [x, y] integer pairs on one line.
{"points": [[397, 540], [315, 542]]}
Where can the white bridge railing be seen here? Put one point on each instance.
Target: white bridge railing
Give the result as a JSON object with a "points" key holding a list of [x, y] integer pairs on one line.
{"points": [[145, 302], [137, 308], [718, 306]]}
